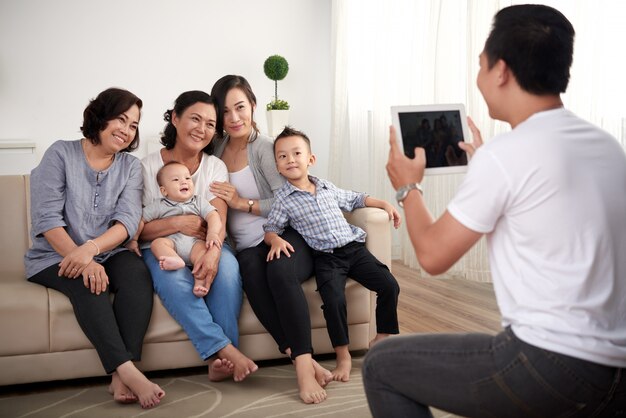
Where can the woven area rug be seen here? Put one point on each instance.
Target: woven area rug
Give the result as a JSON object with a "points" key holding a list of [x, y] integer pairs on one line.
{"points": [[270, 392]]}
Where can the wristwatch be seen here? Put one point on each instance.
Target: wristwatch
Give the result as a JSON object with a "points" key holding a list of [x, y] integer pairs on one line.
{"points": [[250, 204], [403, 192]]}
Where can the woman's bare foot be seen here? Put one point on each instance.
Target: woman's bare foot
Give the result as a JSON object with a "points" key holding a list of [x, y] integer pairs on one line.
{"points": [[121, 393], [220, 369], [322, 375], [199, 289], [171, 262], [377, 338], [310, 390], [243, 366], [149, 394], [344, 364]]}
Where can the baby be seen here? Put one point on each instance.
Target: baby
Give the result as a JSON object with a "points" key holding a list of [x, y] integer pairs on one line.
{"points": [[178, 250]]}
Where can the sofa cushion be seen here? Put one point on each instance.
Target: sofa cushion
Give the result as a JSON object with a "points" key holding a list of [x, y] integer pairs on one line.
{"points": [[24, 318], [14, 226]]}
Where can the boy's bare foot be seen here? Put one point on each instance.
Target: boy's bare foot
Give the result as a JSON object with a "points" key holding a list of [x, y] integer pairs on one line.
{"points": [[199, 290], [149, 394], [377, 338], [322, 375], [121, 393], [220, 369], [243, 366], [171, 262], [310, 389], [344, 364]]}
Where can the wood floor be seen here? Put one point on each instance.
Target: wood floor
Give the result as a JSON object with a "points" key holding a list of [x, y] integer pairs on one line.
{"points": [[444, 305]]}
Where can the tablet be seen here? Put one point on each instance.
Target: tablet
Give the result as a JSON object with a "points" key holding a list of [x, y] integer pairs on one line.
{"points": [[438, 128]]}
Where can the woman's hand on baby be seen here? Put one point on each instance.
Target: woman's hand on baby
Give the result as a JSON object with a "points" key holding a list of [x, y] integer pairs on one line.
{"points": [[191, 225], [225, 191], [278, 246], [74, 263], [95, 278]]}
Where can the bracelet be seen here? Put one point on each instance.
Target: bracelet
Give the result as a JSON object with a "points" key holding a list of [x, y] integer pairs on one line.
{"points": [[95, 245]]}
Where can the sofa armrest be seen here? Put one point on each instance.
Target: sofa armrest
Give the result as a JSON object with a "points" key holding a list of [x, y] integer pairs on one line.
{"points": [[375, 222]]}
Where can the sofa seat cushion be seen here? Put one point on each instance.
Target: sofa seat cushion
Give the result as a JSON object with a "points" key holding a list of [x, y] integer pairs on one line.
{"points": [[24, 319], [66, 334]]}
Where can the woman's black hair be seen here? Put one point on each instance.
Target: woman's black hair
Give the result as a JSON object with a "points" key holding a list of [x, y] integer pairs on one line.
{"points": [[220, 90], [185, 100], [107, 106]]}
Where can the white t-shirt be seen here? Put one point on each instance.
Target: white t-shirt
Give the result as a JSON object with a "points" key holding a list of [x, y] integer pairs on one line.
{"points": [[551, 197], [211, 169]]}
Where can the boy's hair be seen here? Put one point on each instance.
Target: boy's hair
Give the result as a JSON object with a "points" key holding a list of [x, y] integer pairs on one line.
{"points": [[159, 175], [107, 106], [289, 131], [537, 44]]}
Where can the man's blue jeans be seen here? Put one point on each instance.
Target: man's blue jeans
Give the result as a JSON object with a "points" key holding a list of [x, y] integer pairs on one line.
{"points": [[478, 375], [210, 322]]}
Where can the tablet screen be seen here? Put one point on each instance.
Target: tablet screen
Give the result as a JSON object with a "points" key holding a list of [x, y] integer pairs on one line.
{"points": [[436, 128]]}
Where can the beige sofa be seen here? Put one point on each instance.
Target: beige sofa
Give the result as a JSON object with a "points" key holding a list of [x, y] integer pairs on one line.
{"points": [[41, 340]]}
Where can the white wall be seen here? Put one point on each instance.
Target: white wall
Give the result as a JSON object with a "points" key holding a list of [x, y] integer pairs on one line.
{"points": [[56, 55]]}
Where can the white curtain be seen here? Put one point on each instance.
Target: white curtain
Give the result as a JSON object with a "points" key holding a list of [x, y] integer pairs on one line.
{"points": [[401, 52]]}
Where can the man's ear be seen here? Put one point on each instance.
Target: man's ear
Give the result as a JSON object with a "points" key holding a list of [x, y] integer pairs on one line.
{"points": [[312, 160], [503, 71]]}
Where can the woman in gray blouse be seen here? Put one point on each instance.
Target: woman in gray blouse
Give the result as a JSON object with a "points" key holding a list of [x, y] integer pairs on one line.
{"points": [[86, 202]]}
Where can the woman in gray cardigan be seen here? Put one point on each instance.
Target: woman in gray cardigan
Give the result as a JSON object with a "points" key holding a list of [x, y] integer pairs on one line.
{"points": [[273, 288]]}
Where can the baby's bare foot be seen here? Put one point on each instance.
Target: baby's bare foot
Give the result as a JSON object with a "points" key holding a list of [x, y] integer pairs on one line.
{"points": [[322, 375], [200, 291], [121, 393], [220, 369], [171, 262]]}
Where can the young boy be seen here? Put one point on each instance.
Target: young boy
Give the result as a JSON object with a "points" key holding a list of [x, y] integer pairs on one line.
{"points": [[178, 250], [313, 207]]}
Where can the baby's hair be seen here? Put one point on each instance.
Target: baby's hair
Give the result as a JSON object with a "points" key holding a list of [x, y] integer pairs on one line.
{"points": [[159, 175], [289, 131]]}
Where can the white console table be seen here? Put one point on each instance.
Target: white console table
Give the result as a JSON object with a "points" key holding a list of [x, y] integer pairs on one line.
{"points": [[17, 157]]}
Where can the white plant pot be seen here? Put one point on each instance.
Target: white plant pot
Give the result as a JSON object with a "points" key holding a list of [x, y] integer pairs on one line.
{"points": [[276, 121]]}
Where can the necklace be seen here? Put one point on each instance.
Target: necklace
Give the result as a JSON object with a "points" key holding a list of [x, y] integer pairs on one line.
{"points": [[100, 164]]}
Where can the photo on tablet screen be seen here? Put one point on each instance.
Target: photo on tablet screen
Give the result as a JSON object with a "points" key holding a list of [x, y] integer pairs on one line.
{"points": [[436, 128]]}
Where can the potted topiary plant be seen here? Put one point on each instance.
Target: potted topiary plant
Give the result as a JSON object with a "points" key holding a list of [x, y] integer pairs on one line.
{"points": [[276, 68]]}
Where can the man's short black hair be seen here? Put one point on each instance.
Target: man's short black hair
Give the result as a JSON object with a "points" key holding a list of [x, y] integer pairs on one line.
{"points": [[537, 44]]}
